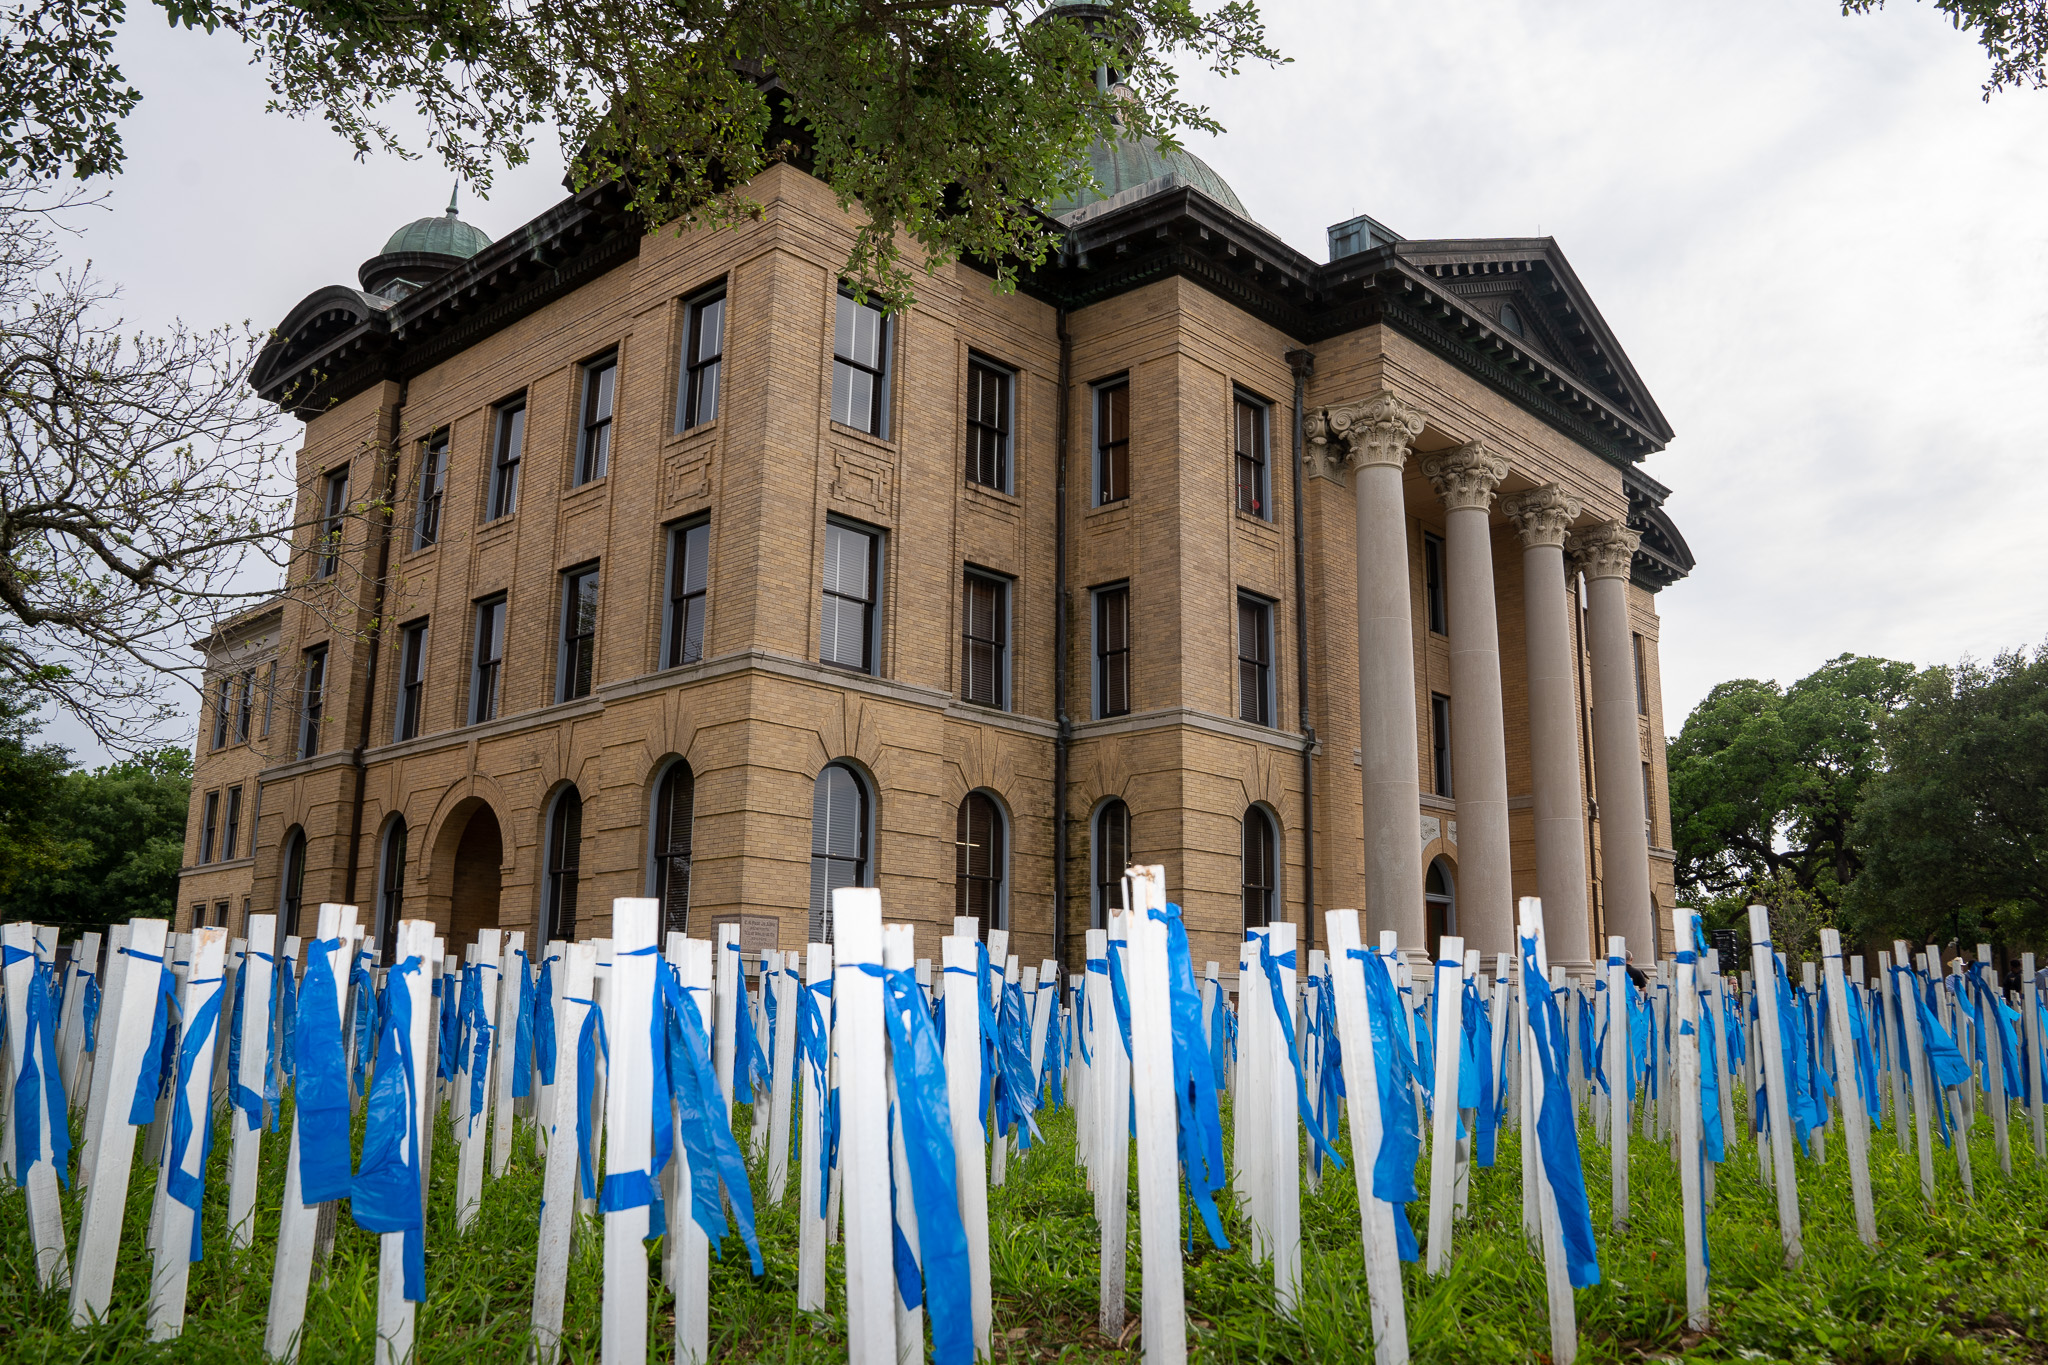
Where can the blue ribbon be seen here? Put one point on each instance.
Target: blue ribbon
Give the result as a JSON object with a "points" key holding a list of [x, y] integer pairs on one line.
{"points": [[1016, 1097], [633, 1189], [1330, 1080], [385, 1195], [589, 1040], [1219, 1043], [750, 1066], [1393, 1167], [522, 1036], [1944, 1063], [812, 1040], [364, 1024], [1557, 1140], [1866, 1058], [1200, 1119], [189, 1188], [91, 1008], [287, 1021], [2004, 1017], [478, 1031], [39, 1088], [323, 1095], [702, 1125], [922, 1107], [544, 1020], [149, 1083], [1271, 965], [1476, 1089]]}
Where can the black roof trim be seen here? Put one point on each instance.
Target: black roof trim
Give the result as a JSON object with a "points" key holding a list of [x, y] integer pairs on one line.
{"points": [[1663, 557]]}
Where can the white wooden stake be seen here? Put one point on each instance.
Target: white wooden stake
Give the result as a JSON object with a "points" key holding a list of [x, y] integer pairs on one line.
{"points": [[2037, 1111], [504, 1050], [397, 1315], [45, 1214], [558, 1191], [963, 1098], [113, 989], [1855, 1118], [174, 1248], [473, 1129], [724, 1039], [1112, 1164], [1776, 1084], [629, 1122], [784, 1071], [1564, 1327], [864, 1128], [1994, 1080], [1686, 1046], [693, 1254], [257, 1005], [815, 1086], [298, 1222], [1152, 1082], [1449, 991], [78, 1069], [899, 954], [1283, 1134], [1376, 1216]]}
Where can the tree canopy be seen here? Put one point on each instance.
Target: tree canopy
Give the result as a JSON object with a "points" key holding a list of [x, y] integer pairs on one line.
{"points": [[1765, 780], [1954, 833], [2013, 34], [947, 121]]}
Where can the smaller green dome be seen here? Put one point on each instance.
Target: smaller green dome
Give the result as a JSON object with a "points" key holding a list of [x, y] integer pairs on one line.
{"points": [[445, 235]]}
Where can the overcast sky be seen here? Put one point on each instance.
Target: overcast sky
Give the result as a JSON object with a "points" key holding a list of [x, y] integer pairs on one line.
{"points": [[1825, 253]]}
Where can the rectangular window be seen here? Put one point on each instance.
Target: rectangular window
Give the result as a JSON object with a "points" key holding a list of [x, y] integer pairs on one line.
{"points": [[1251, 459], [312, 700], [245, 706], [231, 831], [489, 661], [988, 424], [1254, 659], [209, 827], [985, 630], [576, 668], [1440, 742], [198, 914], [334, 503], [220, 914], [1112, 443], [220, 713], [852, 567], [269, 695], [1642, 681], [426, 529], [1433, 583], [508, 445], [703, 350], [1649, 808], [1113, 651], [412, 680], [860, 367], [594, 446], [689, 580]]}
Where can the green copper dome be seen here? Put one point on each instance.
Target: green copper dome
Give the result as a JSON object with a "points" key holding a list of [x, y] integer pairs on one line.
{"points": [[445, 235], [1131, 162]]}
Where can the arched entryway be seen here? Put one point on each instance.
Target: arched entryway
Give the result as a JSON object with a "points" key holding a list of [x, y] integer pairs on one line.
{"points": [[474, 888]]}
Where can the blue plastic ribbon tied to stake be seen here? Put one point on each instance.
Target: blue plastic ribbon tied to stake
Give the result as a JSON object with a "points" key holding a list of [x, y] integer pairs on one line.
{"points": [[385, 1195]]}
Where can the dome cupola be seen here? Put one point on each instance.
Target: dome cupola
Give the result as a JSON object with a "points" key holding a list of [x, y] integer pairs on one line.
{"points": [[420, 252]]}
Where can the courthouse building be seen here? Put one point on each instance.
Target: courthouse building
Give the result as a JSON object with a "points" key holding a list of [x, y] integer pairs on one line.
{"points": [[656, 563]]}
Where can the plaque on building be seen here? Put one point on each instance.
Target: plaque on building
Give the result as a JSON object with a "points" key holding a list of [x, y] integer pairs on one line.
{"points": [[758, 933]]}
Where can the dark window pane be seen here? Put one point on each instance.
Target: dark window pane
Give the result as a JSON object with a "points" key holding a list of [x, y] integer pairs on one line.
{"points": [[1112, 853], [1433, 583], [1251, 458], [594, 452], [579, 634], [1112, 652], [433, 484], [689, 581], [703, 353], [565, 853], [839, 842], [984, 613], [847, 615], [1113, 443], [511, 444], [1260, 872], [230, 835], [978, 863], [674, 813], [859, 366], [988, 425], [1255, 661], [1440, 742]]}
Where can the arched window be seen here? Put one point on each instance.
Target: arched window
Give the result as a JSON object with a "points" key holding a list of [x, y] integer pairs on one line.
{"points": [[292, 885], [1111, 845], [1511, 321], [839, 842], [1261, 869], [979, 861], [1439, 903], [391, 891], [675, 807], [565, 855]]}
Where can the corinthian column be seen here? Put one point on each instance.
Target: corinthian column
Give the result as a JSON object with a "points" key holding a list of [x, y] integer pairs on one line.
{"points": [[1464, 479], [1604, 550], [1541, 515], [1376, 434]]}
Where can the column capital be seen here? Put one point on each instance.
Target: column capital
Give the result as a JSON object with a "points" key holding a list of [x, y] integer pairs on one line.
{"points": [[1541, 514], [1605, 549], [1465, 476], [1375, 431]]}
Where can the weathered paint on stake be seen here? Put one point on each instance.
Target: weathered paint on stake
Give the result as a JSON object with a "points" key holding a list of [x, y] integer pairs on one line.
{"points": [[811, 1183], [1112, 1143], [961, 1007], [1376, 1216], [504, 1052], [1855, 1118], [782, 1069], [173, 1267], [1163, 1306], [864, 1128], [1691, 1192], [247, 1142], [558, 1206], [45, 1213]]}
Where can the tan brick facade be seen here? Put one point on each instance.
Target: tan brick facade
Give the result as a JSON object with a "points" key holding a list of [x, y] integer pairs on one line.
{"points": [[758, 717]]}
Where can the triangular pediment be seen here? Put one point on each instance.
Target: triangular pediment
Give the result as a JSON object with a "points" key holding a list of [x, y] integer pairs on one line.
{"points": [[1526, 291]]}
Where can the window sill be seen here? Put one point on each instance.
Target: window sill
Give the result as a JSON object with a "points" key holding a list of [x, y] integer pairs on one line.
{"points": [[996, 495], [419, 552], [852, 669], [582, 490], [841, 429], [1265, 524], [690, 434], [1103, 509]]}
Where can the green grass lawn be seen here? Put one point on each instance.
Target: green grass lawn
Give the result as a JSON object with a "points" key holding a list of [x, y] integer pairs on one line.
{"points": [[1967, 1284]]}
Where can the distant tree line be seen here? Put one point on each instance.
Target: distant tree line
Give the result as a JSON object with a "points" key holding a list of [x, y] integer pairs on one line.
{"points": [[82, 849], [1869, 796]]}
